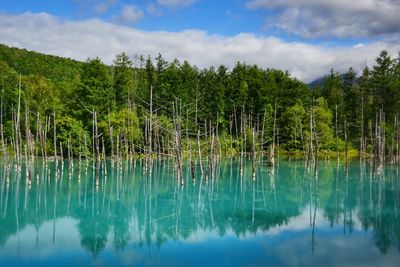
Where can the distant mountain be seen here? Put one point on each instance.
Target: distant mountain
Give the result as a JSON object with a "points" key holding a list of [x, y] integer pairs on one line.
{"points": [[321, 81], [317, 82]]}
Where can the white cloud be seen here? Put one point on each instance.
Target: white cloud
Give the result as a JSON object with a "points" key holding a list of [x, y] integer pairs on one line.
{"points": [[130, 14], [175, 3], [81, 39], [359, 45], [339, 18]]}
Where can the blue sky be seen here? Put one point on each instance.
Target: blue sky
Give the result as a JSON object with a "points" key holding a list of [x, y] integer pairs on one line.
{"points": [[305, 37], [216, 17]]}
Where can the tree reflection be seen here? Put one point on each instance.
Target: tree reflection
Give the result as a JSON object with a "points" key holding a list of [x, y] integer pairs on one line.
{"points": [[130, 207]]}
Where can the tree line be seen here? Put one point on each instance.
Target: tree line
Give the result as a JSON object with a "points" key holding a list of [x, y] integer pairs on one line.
{"points": [[48, 105]]}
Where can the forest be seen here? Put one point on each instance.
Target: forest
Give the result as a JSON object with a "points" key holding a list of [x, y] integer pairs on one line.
{"points": [[141, 106]]}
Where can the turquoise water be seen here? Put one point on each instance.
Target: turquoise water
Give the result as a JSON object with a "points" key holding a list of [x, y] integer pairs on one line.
{"points": [[283, 217]]}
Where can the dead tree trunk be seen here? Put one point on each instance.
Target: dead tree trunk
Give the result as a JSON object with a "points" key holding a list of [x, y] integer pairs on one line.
{"points": [[80, 158], [336, 133], [271, 161], [17, 124], [310, 158], [346, 145], [86, 153], [362, 140], [193, 175], [150, 132], [3, 147], [55, 136], [96, 147], [69, 153], [199, 152], [188, 145], [253, 154], [28, 135], [316, 144], [104, 157], [211, 161], [177, 142], [111, 137], [397, 160], [231, 136]]}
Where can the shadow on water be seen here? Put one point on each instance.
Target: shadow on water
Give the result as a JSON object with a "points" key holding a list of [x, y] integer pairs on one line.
{"points": [[133, 209]]}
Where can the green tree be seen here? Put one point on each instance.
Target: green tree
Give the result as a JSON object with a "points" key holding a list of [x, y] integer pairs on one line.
{"points": [[40, 95], [293, 127], [124, 123], [323, 123], [383, 87], [332, 90], [213, 101], [352, 96], [123, 80], [94, 93], [72, 129]]}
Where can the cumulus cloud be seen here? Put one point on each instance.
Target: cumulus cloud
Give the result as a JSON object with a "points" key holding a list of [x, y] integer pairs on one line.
{"points": [[130, 14], [339, 18], [175, 3], [90, 38]]}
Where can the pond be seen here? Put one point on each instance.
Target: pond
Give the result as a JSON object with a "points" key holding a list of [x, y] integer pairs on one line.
{"points": [[284, 216]]}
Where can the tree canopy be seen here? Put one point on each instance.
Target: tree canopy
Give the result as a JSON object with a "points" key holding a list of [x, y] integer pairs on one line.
{"points": [[229, 100]]}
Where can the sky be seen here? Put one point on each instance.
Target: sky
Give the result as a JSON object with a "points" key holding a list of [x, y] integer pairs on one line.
{"points": [[307, 38]]}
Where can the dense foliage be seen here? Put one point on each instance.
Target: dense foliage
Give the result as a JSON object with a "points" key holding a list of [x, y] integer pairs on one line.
{"points": [[231, 101]]}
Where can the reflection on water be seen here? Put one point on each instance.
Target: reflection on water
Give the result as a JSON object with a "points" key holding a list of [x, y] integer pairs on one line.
{"points": [[284, 217]]}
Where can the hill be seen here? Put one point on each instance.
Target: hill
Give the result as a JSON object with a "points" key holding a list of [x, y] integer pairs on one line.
{"points": [[60, 71]]}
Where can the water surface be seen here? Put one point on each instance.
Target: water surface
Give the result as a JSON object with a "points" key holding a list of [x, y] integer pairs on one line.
{"points": [[282, 217]]}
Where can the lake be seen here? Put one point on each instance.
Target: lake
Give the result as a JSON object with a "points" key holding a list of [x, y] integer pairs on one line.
{"points": [[281, 217]]}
